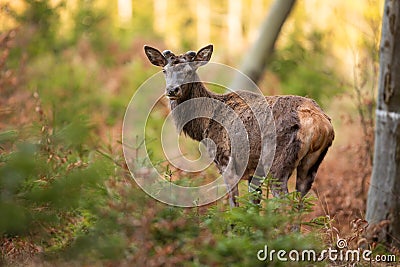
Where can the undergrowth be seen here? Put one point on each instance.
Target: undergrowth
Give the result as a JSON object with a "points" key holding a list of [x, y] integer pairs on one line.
{"points": [[66, 195], [67, 200], [67, 203]]}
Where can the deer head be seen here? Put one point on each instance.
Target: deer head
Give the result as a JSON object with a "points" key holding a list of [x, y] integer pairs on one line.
{"points": [[179, 70]]}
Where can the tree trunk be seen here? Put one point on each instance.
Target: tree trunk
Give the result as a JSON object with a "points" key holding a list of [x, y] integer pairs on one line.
{"points": [[125, 10], [234, 23], [257, 58], [255, 18], [384, 193], [203, 22], [160, 15]]}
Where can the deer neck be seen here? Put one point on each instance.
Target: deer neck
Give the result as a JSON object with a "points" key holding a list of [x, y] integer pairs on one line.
{"points": [[194, 128]]}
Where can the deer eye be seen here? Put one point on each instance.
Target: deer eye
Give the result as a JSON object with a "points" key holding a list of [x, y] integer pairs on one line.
{"points": [[164, 71]]}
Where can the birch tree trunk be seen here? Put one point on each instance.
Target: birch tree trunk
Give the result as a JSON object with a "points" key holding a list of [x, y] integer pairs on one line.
{"points": [[257, 58], [160, 15], [234, 23], [384, 193], [203, 22], [125, 10], [255, 18]]}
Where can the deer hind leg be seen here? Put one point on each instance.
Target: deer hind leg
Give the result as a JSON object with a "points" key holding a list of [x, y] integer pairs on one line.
{"points": [[284, 164], [280, 177], [307, 170]]}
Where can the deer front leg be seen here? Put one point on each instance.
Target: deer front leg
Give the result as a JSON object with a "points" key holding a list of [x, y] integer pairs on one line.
{"points": [[255, 185], [233, 192], [231, 183], [279, 186], [232, 197]]}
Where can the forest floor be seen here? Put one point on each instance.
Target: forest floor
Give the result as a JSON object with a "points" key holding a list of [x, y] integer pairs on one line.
{"points": [[337, 186], [341, 185]]}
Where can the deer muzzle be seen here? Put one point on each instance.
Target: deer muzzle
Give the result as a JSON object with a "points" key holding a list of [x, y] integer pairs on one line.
{"points": [[173, 92]]}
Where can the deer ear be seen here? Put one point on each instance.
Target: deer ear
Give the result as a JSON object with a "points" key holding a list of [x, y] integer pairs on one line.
{"points": [[204, 54], [155, 56]]}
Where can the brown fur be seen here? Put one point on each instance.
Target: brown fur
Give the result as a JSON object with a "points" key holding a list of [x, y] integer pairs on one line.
{"points": [[303, 134], [303, 131]]}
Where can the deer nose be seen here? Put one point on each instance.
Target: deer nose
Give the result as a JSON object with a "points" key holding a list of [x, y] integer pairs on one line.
{"points": [[173, 92]]}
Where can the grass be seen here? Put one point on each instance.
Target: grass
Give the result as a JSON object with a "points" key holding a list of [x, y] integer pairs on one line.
{"points": [[67, 196]]}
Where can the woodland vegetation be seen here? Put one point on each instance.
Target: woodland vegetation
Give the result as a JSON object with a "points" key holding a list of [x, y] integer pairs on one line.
{"points": [[67, 72]]}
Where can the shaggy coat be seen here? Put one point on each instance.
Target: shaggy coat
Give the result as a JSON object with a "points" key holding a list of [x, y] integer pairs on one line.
{"points": [[303, 131]]}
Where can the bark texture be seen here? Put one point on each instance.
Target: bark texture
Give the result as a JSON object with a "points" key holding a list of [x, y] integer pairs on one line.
{"points": [[384, 192]]}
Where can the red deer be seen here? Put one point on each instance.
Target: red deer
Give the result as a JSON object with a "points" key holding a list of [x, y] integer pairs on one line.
{"points": [[303, 131]]}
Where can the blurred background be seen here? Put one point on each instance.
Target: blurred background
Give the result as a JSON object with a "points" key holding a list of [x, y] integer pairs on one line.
{"points": [[68, 70]]}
